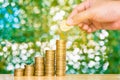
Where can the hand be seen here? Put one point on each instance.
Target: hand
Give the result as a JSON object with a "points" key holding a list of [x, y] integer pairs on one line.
{"points": [[93, 15]]}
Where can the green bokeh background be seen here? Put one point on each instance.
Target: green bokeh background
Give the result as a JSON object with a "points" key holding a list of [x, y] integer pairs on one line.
{"points": [[29, 27]]}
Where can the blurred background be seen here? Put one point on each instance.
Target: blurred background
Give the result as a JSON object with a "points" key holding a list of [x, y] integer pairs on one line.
{"points": [[29, 27]]}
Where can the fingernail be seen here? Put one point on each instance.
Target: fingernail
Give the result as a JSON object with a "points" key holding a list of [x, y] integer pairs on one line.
{"points": [[69, 22], [89, 30], [80, 25]]}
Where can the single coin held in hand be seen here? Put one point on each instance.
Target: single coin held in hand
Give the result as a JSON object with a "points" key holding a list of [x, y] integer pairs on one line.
{"points": [[64, 26]]}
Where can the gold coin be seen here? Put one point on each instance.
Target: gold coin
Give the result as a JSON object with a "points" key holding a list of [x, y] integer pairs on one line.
{"points": [[19, 70], [49, 55], [50, 71], [60, 71], [49, 68], [18, 74], [39, 69], [49, 62], [29, 66], [49, 75], [61, 68], [60, 50], [60, 65], [50, 58], [39, 59], [39, 73], [60, 61], [50, 51], [61, 41], [39, 64], [64, 27], [60, 54], [29, 73], [61, 45], [57, 74]]}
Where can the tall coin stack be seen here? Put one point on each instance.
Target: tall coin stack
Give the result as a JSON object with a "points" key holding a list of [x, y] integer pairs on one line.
{"points": [[19, 72], [39, 66], [60, 58], [29, 70], [50, 63]]}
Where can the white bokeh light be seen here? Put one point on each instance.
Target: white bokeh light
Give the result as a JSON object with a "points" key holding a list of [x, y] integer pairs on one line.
{"points": [[5, 49], [91, 64], [106, 66], [10, 66], [97, 58]]}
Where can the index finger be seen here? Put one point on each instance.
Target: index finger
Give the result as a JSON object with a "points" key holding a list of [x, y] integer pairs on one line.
{"points": [[79, 8]]}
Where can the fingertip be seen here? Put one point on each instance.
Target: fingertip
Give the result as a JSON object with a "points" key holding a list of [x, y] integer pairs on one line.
{"points": [[80, 25], [89, 30], [85, 27], [69, 22]]}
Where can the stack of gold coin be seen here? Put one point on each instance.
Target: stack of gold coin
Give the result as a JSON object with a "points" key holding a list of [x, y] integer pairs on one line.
{"points": [[39, 66], [19, 72], [29, 70], [60, 57], [50, 63]]}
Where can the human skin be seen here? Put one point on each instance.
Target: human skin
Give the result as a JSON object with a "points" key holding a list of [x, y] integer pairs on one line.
{"points": [[92, 15]]}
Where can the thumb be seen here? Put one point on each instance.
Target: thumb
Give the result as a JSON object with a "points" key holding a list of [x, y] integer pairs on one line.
{"points": [[80, 17]]}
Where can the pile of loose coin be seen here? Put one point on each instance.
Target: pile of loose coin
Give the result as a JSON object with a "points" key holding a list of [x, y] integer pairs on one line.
{"points": [[53, 63]]}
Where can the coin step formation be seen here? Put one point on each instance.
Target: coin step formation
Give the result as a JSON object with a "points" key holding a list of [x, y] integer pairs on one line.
{"points": [[54, 63]]}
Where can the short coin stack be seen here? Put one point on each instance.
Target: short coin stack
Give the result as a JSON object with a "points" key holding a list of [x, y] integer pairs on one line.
{"points": [[60, 57], [29, 70], [50, 63], [19, 72], [39, 66]]}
